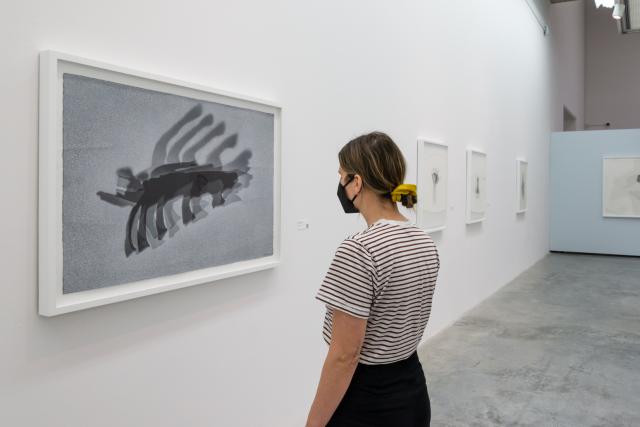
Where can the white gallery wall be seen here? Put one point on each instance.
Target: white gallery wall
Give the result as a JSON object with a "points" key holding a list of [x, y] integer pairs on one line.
{"points": [[612, 87], [247, 351]]}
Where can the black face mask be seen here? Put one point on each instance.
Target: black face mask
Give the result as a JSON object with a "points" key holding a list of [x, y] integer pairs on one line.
{"points": [[347, 204]]}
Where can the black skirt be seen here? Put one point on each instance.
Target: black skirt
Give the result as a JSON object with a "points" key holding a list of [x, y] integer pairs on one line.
{"points": [[388, 395]]}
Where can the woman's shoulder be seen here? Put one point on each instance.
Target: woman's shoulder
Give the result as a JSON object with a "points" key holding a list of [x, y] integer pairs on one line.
{"points": [[380, 239], [388, 230]]}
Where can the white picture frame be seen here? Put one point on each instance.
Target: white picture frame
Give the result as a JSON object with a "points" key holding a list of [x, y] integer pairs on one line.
{"points": [[476, 191], [51, 300], [432, 180], [522, 185], [621, 186]]}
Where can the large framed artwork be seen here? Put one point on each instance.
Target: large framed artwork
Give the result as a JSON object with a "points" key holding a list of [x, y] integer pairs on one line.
{"points": [[621, 187], [476, 185], [522, 185], [149, 184], [433, 171]]}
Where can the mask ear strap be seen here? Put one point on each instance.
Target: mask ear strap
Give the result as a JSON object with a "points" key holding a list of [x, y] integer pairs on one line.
{"points": [[354, 197]]}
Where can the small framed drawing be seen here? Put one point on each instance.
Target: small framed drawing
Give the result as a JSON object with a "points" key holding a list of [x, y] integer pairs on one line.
{"points": [[522, 184], [433, 171], [621, 187], [149, 184], [476, 185]]}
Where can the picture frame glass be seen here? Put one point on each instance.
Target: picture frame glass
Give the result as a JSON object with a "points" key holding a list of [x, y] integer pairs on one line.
{"points": [[476, 185], [522, 185], [157, 184], [621, 187], [433, 176]]}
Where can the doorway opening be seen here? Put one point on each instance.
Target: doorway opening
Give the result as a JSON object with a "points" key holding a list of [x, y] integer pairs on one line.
{"points": [[568, 120]]}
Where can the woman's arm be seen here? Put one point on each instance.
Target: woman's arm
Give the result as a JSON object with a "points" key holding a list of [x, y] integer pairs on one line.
{"points": [[347, 336]]}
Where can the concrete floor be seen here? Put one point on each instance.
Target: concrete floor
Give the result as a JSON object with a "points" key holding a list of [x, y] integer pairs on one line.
{"points": [[558, 346]]}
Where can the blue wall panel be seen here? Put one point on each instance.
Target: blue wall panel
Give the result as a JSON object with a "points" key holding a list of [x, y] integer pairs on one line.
{"points": [[576, 222]]}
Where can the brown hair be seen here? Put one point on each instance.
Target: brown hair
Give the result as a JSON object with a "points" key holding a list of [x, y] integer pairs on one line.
{"points": [[380, 163]]}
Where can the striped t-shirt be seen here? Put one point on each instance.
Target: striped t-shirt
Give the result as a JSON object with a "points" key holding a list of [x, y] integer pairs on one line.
{"points": [[387, 275]]}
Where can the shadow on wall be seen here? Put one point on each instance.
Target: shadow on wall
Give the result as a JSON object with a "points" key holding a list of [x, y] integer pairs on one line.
{"points": [[174, 177]]}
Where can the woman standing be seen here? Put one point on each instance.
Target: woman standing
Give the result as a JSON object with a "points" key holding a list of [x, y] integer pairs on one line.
{"points": [[378, 292]]}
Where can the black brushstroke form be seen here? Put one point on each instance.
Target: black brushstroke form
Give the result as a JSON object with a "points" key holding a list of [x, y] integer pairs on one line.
{"points": [[435, 176], [175, 175]]}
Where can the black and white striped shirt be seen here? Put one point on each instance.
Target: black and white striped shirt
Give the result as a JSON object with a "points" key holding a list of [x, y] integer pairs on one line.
{"points": [[387, 275]]}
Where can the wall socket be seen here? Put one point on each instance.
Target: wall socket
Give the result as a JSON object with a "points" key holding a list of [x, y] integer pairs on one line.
{"points": [[302, 224]]}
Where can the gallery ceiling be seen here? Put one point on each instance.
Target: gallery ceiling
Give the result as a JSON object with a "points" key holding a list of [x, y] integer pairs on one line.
{"points": [[631, 20]]}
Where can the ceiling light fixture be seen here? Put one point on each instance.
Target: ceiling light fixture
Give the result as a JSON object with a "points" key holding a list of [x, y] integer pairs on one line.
{"points": [[618, 11], [605, 3]]}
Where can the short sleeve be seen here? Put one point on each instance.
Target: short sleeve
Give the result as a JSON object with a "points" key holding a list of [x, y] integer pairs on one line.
{"points": [[348, 284]]}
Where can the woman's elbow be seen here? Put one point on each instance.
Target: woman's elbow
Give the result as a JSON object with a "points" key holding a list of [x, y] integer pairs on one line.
{"points": [[346, 356]]}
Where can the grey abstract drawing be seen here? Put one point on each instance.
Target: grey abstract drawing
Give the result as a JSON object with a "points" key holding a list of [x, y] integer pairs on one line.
{"points": [[522, 184], [156, 184], [434, 161], [476, 185], [621, 185], [435, 178]]}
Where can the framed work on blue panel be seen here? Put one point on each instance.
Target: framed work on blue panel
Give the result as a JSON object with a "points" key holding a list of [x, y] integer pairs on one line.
{"points": [[476, 185], [621, 186], [149, 184], [433, 175]]}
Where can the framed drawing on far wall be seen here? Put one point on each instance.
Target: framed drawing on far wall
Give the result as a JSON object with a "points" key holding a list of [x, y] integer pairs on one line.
{"points": [[522, 185], [476, 185], [149, 184], [621, 187], [433, 171]]}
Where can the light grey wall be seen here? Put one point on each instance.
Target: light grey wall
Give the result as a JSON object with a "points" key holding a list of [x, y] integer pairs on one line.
{"points": [[567, 31], [577, 224], [612, 89], [247, 351]]}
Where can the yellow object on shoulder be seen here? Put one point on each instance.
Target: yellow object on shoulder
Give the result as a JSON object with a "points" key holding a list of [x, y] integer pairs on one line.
{"points": [[403, 189]]}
